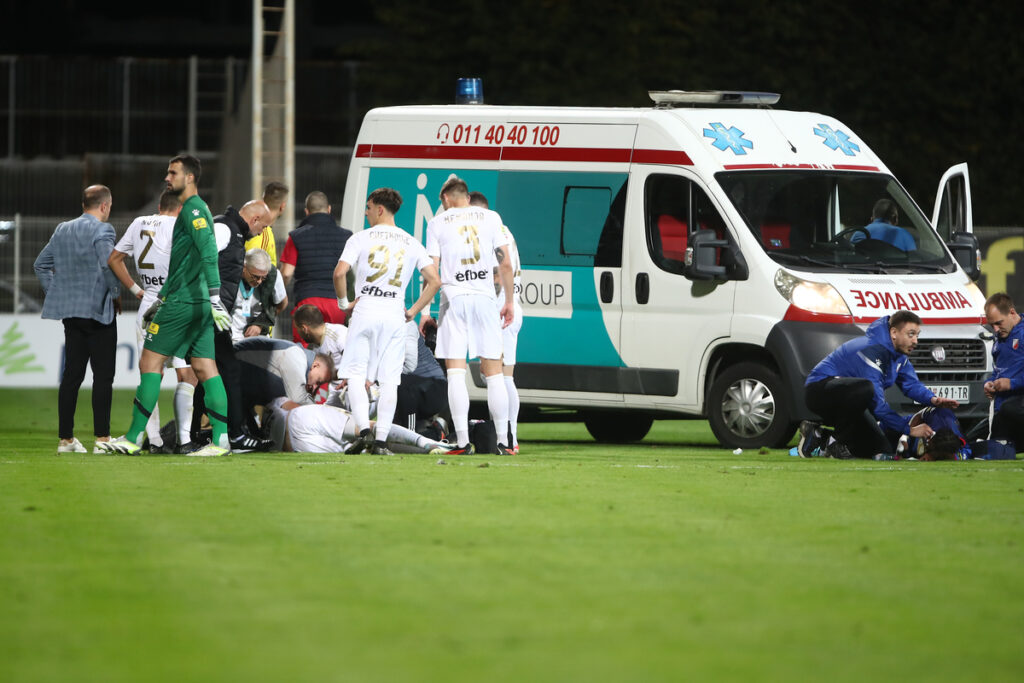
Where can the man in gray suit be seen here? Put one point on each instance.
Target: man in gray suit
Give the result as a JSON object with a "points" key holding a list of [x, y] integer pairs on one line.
{"points": [[82, 292]]}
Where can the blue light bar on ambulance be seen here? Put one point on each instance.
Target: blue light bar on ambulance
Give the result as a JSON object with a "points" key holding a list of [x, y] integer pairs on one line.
{"points": [[469, 91], [664, 99]]}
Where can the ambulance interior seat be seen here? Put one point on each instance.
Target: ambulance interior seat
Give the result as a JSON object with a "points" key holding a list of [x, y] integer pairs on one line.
{"points": [[673, 233], [776, 235]]}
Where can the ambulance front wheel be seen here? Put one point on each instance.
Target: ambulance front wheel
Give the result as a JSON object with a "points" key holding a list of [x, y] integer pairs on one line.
{"points": [[617, 427], [747, 408]]}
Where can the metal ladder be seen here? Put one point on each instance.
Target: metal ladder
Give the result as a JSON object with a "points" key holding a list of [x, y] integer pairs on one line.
{"points": [[273, 99]]}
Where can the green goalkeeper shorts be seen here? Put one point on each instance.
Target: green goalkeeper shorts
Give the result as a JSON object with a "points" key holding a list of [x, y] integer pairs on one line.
{"points": [[183, 329]]}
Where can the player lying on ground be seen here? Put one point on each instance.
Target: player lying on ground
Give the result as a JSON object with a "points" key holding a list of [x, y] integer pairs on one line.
{"points": [[328, 429]]}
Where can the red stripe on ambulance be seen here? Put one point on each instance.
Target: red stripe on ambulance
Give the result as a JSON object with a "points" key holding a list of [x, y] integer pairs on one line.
{"points": [[495, 153]]}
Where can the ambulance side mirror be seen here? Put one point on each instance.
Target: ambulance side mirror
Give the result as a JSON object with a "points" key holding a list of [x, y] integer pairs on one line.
{"points": [[702, 256], [967, 252]]}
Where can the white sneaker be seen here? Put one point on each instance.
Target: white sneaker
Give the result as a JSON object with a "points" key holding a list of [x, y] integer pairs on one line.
{"points": [[209, 450], [119, 445], [74, 447]]}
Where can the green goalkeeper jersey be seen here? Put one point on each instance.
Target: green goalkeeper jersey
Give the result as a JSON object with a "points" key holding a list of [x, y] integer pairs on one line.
{"points": [[192, 273]]}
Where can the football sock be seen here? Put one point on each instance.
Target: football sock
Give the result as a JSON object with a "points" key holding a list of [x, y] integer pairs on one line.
{"points": [[386, 405], [458, 402], [497, 405], [359, 402], [513, 409], [217, 410], [153, 426], [146, 397], [183, 396], [400, 436]]}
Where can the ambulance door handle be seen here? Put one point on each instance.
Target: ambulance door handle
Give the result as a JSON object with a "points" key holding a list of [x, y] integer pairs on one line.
{"points": [[607, 287], [643, 288]]}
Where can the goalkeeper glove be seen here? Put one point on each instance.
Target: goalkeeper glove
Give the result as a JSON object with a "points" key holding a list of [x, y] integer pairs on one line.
{"points": [[151, 311], [221, 319]]}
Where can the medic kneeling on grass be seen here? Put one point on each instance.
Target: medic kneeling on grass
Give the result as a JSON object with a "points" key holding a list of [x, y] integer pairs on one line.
{"points": [[847, 389]]}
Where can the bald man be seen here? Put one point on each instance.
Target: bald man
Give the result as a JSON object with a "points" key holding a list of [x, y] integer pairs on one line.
{"points": [[82, 292], [233, 228]]}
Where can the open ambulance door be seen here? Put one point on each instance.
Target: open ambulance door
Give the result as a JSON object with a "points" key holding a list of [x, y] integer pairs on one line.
{"points": [[953, 219]]}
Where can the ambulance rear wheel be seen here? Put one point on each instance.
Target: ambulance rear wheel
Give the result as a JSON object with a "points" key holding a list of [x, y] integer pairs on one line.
{"points": [[747, 408], [616, 427]]}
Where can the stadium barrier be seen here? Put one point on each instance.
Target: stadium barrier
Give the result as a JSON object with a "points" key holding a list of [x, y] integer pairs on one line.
{"points": [[32, 353]]}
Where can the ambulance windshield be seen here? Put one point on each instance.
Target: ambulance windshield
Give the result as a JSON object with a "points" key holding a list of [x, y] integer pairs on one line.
{"points": [[863, 222]]}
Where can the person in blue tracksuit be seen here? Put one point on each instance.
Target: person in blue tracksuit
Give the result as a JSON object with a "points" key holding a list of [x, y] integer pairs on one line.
{"points": [[884, 216], [847, 389], [1006, 385]]}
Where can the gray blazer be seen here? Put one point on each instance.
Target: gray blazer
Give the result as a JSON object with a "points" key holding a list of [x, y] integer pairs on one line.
{"points": [[72, 268]]}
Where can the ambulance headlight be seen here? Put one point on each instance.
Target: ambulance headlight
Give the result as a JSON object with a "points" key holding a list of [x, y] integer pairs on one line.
{"points": [[813, 297]]}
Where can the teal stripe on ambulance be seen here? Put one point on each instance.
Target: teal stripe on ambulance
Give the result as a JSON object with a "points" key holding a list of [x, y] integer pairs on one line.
{"points": [[531, 204]]}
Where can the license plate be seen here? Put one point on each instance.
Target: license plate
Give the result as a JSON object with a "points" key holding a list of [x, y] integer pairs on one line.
{"points": [[957, 392]]}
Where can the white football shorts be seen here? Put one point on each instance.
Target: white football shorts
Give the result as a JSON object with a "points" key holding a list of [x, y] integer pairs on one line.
{"points": [[470, 325], [375, 348], [510, 334]]}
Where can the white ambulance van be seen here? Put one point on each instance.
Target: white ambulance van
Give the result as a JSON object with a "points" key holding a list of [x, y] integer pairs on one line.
{"points": [[694, 258]]}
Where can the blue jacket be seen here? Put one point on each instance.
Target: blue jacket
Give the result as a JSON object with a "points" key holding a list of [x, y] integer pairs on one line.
{"points": [[874, 358], [886, 232], [1008, 361], [72, 268]]}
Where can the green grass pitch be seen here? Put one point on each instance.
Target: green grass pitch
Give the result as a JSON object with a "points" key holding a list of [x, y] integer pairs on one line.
{"points": [[669, 560]]}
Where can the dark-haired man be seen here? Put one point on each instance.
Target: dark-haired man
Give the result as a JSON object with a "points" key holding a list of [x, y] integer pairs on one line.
{"points": [[181, 322], [148, 241], [384, 258], [847, 389], [319, 335]]}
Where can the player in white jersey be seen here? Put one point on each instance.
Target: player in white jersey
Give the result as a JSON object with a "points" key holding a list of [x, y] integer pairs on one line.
{"points": [[319, 335], [328, 429], [463, 241], [148, 241], [509, 335], [384, 258]]}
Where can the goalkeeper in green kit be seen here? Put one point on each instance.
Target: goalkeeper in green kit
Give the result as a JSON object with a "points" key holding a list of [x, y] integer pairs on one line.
{"points": [[181, 322]]}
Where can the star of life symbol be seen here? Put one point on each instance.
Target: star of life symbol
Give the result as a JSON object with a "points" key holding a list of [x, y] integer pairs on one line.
{"points": [[836, 139], [728, 138]]}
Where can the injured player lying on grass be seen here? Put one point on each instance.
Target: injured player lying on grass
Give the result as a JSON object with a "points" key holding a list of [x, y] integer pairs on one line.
{"points": [[329, 429]]}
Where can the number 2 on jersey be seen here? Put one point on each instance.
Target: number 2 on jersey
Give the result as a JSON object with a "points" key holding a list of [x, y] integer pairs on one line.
{"points": [[469, 232], [143, 264], [379, 259]]}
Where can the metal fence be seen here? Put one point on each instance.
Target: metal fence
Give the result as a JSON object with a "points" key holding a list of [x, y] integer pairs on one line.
{"points": [[67, 122]]}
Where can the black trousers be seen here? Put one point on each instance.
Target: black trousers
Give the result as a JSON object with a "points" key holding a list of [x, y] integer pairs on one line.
{"points": [[420, 397], [1008, 423], [230, 370], [844, 403], [87, 342]]}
